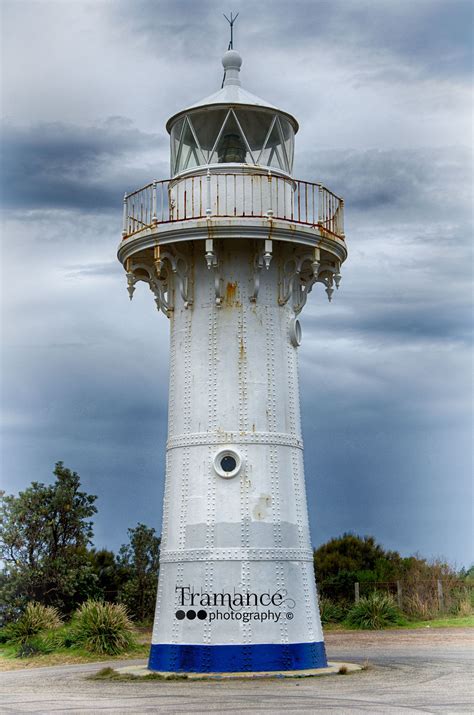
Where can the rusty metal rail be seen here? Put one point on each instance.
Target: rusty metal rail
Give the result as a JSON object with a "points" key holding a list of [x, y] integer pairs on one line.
{"points": [[233, 195]]}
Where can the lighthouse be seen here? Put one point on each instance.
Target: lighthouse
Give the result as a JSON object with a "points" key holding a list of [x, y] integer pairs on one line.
{"points": [[231, 246]]}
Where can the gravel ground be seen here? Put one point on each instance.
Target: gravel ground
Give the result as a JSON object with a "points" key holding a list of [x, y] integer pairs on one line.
{"points": [[419, 671]]}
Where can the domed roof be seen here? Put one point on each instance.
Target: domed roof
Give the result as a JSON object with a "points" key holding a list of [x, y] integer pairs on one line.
{"points": [[231, 93]]}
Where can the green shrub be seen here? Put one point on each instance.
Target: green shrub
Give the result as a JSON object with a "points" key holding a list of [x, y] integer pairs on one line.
{"points": [[35, 619], [103, 628], [43, 643], [330, 611], [377, 610]]}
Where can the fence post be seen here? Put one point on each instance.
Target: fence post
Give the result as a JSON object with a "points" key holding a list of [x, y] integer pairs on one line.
{"points": [[399, 595], [356, 592], [440, 595]]}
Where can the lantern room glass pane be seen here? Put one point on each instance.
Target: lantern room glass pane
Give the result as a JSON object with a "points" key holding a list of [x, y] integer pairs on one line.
{"points": [[273, 155], [232, 135], [189, 153], [289, 139], [231, 147], [255, 126], [175, 139], [207, 125]]}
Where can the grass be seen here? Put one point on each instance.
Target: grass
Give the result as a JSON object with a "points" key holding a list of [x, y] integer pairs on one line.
{"points": [[76, 656], [102, 628], [96, 632], [444, 622], [64, 656], [111, 674], [375, 611], [35, 619]]}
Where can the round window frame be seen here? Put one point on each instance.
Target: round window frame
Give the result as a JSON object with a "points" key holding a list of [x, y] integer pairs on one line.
{"points": [[296, 333], [227, 452]]}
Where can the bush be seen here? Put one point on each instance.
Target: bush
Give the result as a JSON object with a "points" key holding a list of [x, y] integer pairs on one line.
{"points": [[424, 609], [378, 610], [35, 619], [103, 628], [464, 607], [40, 644], [330, 611]]}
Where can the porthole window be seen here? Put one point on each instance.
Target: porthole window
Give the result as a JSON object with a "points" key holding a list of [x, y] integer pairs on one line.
{"points": [[295, 332], [227, 463]]}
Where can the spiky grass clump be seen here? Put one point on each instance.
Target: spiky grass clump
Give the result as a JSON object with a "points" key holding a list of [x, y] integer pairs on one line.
{"points": [[375, 611], [103, 628], [330, 611], [35, 619]]}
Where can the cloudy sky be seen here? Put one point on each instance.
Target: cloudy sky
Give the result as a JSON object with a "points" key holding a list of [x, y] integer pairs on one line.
{"points": [[382, 93]]}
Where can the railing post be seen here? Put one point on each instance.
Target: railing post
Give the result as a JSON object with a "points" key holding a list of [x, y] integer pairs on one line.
{"points": [[341, 214], [356, 592], [320, 203], [124, 215], [154, 218], [208, 194], [270, 210]]}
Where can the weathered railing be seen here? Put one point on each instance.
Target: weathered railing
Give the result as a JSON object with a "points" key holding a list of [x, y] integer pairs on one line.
{"points": [[233, 195]]}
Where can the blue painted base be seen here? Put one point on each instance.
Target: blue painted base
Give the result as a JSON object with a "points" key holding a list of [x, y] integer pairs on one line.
{"points": [[174, 658]]}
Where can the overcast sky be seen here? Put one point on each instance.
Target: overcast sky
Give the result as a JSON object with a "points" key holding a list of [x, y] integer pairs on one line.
{"points": [[381, 90]]}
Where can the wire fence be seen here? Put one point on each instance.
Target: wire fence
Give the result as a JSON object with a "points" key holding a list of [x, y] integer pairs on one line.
{"points": [[423, 598]]}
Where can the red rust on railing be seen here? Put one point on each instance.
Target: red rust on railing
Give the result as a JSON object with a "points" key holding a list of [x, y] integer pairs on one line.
{"points": [[141, 206]]}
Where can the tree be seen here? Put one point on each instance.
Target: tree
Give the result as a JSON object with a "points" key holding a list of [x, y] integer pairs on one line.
{"points": [[140, 560], [44, 535], [110, 575], [349, 558]]}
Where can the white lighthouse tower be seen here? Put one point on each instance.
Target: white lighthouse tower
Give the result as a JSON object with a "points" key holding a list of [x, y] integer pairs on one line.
{"points": [[231, 246]]}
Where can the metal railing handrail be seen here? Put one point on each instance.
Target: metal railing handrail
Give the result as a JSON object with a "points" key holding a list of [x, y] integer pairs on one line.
{"points": [[250, 195]]}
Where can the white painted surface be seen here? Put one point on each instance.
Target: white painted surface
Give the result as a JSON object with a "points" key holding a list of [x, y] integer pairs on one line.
{"points": [[234, 385]]}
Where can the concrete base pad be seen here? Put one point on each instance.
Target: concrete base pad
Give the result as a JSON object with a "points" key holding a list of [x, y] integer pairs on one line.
{"points": [[332, 669]]}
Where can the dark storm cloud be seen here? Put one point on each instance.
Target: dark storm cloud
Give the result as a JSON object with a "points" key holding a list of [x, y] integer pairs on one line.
{"points": [[66, 166], [414, 321], [380, 90], [435, 37], [80, 392], [413, 182]]}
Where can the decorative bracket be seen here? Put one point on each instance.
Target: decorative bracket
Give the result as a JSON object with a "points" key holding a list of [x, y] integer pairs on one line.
{"points": [[330, 276], [167, 269], [300, 273], [213, 264], [180, 270], [262, 260]]}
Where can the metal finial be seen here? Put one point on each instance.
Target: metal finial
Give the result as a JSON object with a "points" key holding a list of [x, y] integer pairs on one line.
{"points": [[231, 23]]}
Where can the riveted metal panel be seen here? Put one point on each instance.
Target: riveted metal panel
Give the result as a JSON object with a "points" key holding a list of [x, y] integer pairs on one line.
{"points": [[234, 386]]}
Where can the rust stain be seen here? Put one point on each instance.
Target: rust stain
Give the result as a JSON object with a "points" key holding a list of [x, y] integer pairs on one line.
{"points": [[230, 293], [242, 352]]}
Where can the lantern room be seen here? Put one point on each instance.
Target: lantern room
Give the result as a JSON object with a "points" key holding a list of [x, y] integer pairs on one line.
{"points": [[232, 127]]}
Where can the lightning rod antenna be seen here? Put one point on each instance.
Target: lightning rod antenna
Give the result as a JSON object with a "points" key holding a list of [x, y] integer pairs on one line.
{"points": [[231, 43], [231, 23]]}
